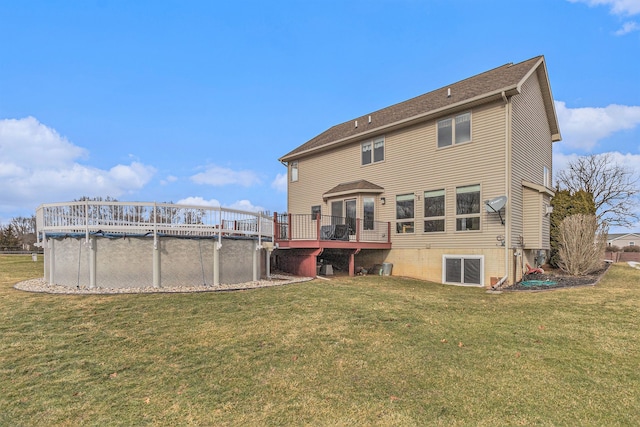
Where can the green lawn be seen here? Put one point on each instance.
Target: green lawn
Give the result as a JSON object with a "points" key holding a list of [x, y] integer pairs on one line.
{"points": [[350, 351]]}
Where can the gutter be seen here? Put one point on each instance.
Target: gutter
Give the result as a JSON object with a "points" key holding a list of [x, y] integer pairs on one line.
{"points": [[507, 185]]}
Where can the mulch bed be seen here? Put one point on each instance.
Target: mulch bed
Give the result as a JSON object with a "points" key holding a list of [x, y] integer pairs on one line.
{"points": [[562, 280]]}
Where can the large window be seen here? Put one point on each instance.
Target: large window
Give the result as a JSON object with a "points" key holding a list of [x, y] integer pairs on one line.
{"points": [[368, 213], [373, 151], [468, 208], [454, 130], [294, 171], [433, 211], [462, 270], [404, 213]]}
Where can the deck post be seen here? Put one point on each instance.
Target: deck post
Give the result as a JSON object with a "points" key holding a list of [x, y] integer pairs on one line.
{"points": [[357, 229], [289, 231], [92, 261], [388, 232], [157, 277], [216, 263], [256, 249], [52, 262], [318, 227], [156, 249]]}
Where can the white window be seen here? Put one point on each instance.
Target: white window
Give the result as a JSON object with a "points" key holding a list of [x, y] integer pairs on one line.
{"points": [[468, 208], [454, 130], [404, 213], [632, 243], [373, 151], [434, 211], [546, 177], [463, 269], [368, 206], [294, 171]]}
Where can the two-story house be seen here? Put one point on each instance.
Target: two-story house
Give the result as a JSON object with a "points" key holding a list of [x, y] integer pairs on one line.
{"points": [[452, 186]]}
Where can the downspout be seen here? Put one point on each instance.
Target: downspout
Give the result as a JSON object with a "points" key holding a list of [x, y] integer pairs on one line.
{"points": [[507, 184]]}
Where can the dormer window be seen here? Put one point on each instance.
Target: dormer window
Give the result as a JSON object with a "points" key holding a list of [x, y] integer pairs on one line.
{"points": [[454, 130], [373, 151]]}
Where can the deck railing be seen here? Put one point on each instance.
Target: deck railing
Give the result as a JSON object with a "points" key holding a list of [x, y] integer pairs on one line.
{"points": [[128, 218], [327, 227]]}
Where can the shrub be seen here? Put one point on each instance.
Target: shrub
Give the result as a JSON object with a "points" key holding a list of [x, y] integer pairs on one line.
{"points": [[582, 243], [631, 249], [566, 203], [613, 248]]}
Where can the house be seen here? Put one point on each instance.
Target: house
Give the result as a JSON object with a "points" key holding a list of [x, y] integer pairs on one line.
{"points": [[623, 239], [452, 186]]}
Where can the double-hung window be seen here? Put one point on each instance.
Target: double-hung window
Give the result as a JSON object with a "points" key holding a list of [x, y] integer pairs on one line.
{"points": [[454, 130], [468, 208], [433, 211], [294, 171], [373, 151], [404, 213]]}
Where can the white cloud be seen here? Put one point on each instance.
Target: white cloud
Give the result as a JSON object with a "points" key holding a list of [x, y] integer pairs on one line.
{"points": [[627, 27], [582, 128], [617, 7], [169, 179], [245, 205], [198, 201], [39, 165], [219, 176], [280, 183], [628, 160]]}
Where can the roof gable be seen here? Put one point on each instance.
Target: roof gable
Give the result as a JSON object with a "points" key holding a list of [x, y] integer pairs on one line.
{"points": [[506, 79]]}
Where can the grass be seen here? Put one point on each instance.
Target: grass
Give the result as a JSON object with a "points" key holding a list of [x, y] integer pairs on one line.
{"points": [[352, 351]]}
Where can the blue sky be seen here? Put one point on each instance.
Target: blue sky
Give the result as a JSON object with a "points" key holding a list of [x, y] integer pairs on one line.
{"points": [[194, 101]]}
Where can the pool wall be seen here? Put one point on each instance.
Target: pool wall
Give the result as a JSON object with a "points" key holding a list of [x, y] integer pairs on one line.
{"points": [[136, 262]]}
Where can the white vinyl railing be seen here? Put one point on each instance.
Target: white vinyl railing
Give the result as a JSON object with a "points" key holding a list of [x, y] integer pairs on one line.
{"points": [[150, 218]]}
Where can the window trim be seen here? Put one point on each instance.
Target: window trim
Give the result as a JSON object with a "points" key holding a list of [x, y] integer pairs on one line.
{"points": [[469, 215], [445, 257], [371, 143], [451, 120], [411, 220], [546, 178], [367, 224], [435, 218]]}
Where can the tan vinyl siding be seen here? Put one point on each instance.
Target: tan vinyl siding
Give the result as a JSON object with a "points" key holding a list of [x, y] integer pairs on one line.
{"points": [[531, 151], [414, 164], [532, 222]]}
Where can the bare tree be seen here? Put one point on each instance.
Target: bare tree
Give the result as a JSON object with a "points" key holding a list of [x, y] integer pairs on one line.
{"points": [[25, 230], [614, 187]]}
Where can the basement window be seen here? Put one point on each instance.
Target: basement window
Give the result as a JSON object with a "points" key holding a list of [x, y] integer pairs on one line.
{"points": [[465, 270]]}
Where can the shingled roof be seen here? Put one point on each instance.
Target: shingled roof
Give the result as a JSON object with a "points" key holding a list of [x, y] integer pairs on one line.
{"points": [[506, 78], [361, 186]]}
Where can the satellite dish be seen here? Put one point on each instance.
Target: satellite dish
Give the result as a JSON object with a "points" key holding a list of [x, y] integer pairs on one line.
{"points": [[494, 205]]}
